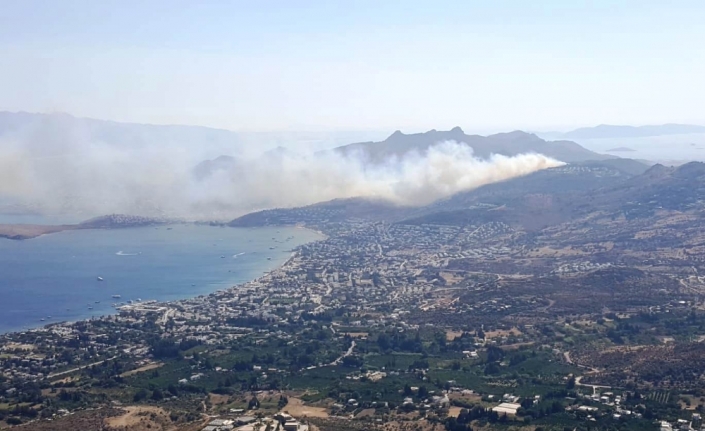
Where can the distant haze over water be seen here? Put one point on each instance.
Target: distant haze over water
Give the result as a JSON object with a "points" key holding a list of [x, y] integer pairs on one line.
{"points": [[57, 275], [40, 219], [689, 147]]}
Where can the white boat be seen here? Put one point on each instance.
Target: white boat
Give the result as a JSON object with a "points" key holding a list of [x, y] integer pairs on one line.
{"points": [[100, 278], [117, 296]]}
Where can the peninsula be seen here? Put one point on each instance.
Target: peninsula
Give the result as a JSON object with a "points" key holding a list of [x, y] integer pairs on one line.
{"points": [[113, 221]]}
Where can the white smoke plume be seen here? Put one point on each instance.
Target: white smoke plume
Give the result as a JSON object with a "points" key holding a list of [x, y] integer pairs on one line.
{"points": [[68, 171], [286, 180]]}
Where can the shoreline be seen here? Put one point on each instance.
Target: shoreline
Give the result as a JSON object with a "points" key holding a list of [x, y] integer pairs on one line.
{"points": [[310, 229], [26, 231], [116, 311], [22, 232]]}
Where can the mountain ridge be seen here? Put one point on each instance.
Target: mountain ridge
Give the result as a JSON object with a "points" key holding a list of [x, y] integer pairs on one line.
{"points": [[536, 201], [507, 144]]}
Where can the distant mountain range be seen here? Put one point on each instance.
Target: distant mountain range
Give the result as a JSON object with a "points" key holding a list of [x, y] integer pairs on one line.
{"points": [[621, 150], [606, 131], [126, 135], [588, 170], [399, 144], [57, 126], [53, 128], [508, 144]]}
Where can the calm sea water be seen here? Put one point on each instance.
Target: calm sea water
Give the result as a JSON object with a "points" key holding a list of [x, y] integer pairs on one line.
{"points": [[57, 275]]}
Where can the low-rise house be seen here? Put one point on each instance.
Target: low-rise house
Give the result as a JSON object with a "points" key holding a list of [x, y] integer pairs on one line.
{"points": [[510, 409]]}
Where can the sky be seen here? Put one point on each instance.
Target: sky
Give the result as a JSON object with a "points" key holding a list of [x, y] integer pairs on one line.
{"points": [[272, 65]]}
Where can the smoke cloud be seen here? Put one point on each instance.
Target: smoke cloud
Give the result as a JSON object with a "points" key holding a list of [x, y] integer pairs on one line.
{"points": [[67, 171]]}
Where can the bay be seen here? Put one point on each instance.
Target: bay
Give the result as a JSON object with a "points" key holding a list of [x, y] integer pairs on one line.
{"points": [[57, 275]]}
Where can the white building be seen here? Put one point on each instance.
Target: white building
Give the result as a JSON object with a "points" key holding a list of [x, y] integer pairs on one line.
{"points": [[510, 409]]}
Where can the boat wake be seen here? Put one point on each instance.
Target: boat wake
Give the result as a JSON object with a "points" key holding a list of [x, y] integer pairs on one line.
{"points": [[239, 254], [122, 253]]}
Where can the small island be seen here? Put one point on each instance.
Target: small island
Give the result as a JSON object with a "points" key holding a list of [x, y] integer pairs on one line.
{"points": [[621, 150]]}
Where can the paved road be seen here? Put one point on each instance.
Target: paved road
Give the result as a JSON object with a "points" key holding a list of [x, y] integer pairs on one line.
{"points": [[346, 354], [594, 387], [165, 317], [566, 357], [73, 370], [337, 361]]}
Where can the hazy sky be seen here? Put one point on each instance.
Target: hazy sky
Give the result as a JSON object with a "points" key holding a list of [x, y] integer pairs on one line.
{"points": [[357, 64]]}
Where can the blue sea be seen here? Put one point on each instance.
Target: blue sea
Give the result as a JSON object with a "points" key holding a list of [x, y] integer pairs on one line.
{"points": [[55, 277]]}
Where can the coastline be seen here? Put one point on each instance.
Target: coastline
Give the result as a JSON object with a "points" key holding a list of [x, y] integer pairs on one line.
{"points": [[24, 231], [21, 232], [260, 278], [310, 229]]}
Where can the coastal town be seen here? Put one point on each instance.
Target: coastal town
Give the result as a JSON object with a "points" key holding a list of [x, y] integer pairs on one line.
{"points": [[376, 325], [352, 215]]}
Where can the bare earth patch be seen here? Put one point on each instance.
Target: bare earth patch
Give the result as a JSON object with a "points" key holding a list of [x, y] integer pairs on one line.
{"points": [[134, 415], [454, 411], [502, 333], [452, 335], [297, 409], [217, 399], [141, 369], [366, 413]]}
